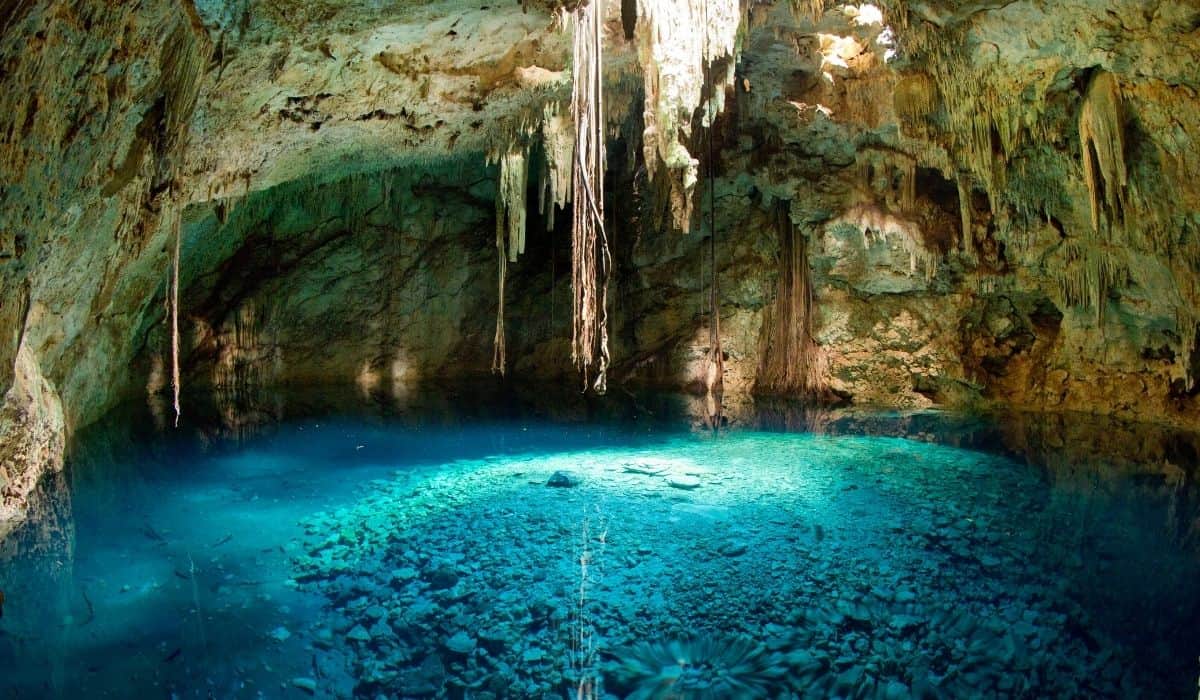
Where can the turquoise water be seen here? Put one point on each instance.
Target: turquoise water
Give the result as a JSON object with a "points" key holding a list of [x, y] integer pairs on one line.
{"points": [[417, 551]]}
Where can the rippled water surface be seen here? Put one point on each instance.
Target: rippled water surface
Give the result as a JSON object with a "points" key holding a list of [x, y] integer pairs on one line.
{"points": [[511, 549]]}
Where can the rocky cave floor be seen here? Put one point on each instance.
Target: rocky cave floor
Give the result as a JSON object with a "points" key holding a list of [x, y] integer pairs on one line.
{"points": [[752, 566]]}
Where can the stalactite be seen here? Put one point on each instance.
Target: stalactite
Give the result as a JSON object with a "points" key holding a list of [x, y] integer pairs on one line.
{"points": [[791, 361], [510, 234], [1102, 141], [510, 202], [1090, 271], [558, 144], [908, 183], [964, 211], [590, 258]]}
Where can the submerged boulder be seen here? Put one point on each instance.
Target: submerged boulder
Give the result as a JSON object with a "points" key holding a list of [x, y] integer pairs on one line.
{"points": [[563, 480]]}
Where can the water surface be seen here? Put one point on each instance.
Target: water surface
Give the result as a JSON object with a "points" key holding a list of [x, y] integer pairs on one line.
{"points": [[414, 549]]}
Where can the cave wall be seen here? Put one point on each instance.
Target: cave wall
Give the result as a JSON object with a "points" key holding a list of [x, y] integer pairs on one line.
{"points": [[999, 203], [386, 280], [96, 96], [944, 272]]}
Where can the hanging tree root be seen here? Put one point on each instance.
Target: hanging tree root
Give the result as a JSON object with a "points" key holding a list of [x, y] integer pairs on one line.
{"points": [[173, 221], [792, 362], [590, 258]]}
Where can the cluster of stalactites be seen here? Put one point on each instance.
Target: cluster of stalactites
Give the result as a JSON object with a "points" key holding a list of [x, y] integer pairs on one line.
{"points": [[1101, 139], [878, 225], [810, 10], [1090, 271], [676, 60], [510, 233], [916, 101], [893, 175], [554, 191], [967, 108]]}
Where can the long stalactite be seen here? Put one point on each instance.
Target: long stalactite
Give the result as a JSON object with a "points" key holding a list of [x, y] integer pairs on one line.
{"points": [[1101, 138]]}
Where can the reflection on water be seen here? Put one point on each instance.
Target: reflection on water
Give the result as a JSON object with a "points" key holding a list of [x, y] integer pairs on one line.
{"points": [[350, 545]]}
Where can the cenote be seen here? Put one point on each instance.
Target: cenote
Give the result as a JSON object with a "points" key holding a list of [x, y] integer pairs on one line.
{"points": [[516, 546], [599, 349]]}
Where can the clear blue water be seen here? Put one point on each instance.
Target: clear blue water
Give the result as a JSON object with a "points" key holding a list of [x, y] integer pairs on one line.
{"points": [[416, 551]]}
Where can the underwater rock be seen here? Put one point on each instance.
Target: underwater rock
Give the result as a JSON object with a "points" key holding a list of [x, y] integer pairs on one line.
{"points": [[733, 549], [895, 690], [308, 685], [380, 630], [426, 679], [563, 480], [404, 574], [461, 643], [358, 634], [645, 468], [686, 482], [443, 577], [280, 634]]}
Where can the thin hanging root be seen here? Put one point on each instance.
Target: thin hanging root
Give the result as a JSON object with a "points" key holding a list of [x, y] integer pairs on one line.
{"points": [[176, 230], [590, 258], [714, 382], [185, 54], [498, 350]]}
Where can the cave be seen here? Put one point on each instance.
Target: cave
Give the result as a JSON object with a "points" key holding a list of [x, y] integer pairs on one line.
{"points": [[599, 349]]}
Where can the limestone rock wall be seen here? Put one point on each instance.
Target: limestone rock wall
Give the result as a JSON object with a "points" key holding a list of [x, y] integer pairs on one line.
{"points": [[985, 225], [384, 280], [95, 98]]}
